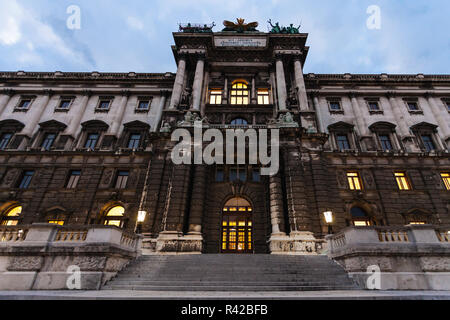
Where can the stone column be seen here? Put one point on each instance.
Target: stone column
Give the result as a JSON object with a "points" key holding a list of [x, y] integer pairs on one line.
{"points": [[281, 85], [162, 103], [117, 119], [4, 99], [440, 114], [198, 201], [276, 206], [179, 83], [406, 137], [225, 92], [300, 81], [363, 130], [254, 99], [319, 114], [198, 83], [78, 112], [36, 112]]}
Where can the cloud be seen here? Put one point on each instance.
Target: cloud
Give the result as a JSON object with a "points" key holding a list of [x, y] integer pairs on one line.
{"points": [[135, 23], [10, 15]]}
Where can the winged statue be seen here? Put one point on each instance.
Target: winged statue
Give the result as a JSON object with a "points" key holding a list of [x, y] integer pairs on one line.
{"points": [[240, 26]]}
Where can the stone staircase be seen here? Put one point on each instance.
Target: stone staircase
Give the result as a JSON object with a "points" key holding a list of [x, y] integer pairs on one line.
{"points": [[232, 273]]}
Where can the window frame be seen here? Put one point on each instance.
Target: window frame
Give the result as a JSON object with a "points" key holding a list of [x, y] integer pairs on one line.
{"points": [[63, 99], [445, 176], [138, 141], [263, 96], [2, 139], [19, 106], [73, 183], [239, 169], [215, 96], [382, 143], [377, 102], [237, 93], [88, 135], [141, 100], [121, 181], [101, 100], [403, 181], [337, 101], [25, 179], [120, 219], [408, 102], [342, 134], [6, 220], [353, 176], [45, 142]]}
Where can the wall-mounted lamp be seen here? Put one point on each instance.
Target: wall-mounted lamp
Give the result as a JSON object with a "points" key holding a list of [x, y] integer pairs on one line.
{"points": [[329, 220], [140, 220]]}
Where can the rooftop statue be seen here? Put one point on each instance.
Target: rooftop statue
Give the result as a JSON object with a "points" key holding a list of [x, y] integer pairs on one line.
{"points": [[284, 30], [196, 28], [240, 26]]}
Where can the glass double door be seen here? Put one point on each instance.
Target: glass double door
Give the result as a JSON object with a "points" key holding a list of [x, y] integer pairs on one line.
{"points": [[237, 232]]}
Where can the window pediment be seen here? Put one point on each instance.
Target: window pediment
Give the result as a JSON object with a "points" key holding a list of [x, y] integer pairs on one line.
{"points": [[382, 126], [95, 124], [424, 126], [53, 125], [11, 125], [137, 125], [341, 126]]}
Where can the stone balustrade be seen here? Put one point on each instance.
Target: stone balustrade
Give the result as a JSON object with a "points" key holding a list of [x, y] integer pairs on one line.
{"points": [[415, 257], [45, 256]]}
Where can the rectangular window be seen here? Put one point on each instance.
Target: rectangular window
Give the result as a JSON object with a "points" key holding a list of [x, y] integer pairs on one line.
{"points": [[354, 181], [374, 106], [4, 140], [220, 176], [446, 179], [26, 179], [104, 105], [335, 106], [413, 106], [48, 141], [74, 177], [143, 105], [263, 96], [24, 104], [447, 103], [134, 141], [65, 104], [122, 179], [58, 222], [215, 96], [91, 141], [385, 142], [342, 141], [256, 175], [402, 181], [238, 173], [428, 142]]}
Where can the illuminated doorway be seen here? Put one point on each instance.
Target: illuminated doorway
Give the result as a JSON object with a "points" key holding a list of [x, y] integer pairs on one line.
{"points": [[237, 227]]}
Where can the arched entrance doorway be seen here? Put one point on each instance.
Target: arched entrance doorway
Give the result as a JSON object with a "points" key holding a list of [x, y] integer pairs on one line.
{"points": [[237, 226]]}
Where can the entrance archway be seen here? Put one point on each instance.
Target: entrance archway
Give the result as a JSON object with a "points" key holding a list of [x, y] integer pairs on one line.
{"points": [[237, 226]]}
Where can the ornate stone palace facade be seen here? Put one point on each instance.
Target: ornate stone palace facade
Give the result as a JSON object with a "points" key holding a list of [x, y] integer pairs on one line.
{"points": [[95, 148]]}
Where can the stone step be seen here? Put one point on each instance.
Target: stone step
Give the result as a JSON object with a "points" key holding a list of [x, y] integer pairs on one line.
{"points": [[245, 288]]}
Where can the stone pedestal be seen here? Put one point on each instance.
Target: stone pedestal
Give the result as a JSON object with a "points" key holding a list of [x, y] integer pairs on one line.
{"points": [[170, 242], [297, 243]]}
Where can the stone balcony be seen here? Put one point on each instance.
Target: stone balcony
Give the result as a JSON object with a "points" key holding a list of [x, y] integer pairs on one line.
{"points": [[409, 258], [45, 256]]}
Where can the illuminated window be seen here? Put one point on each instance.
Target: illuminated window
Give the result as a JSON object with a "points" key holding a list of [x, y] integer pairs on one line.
{"points": [[114, 217], [215, 96], [239, 93], [58, 222], [263, 96], [402, 181], [11, 218], [446, 179], [354, 181], [360, 217], [237, 226]]}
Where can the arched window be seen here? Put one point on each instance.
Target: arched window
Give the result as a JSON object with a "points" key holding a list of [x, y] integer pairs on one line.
{"points": [[115, 217], [237, 226], [360, 217], [12, 216], [239, 122], [239, 93]]}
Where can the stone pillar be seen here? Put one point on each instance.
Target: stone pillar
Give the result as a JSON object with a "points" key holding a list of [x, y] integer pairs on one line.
{"points": [[319, 115], [161, 105], [198, 201], [179, 83], [198, 83], [281, 85], [440, 114], [78, 112], [406, 137], [254, 99], [300, 81], [225, 92], [4, 99], [276, 206], [363, 130], [36, 111], [117, 119]]}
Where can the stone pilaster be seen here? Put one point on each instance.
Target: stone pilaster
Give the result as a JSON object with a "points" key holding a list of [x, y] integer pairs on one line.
{"points": [[281, 84], [179, 83], [5, 98], [300, 82], [198, 83]]}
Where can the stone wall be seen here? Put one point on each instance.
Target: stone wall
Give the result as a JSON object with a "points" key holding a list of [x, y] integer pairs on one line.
{"points": [[408, 258], [46, 257]]}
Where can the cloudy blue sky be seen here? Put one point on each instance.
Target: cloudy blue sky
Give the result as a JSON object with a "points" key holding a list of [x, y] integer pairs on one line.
{"points": [[136, 35]]}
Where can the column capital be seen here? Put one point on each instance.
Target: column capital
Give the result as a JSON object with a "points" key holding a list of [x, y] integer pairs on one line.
{"points": [[354, 94], [125, 93], [429, 94], [391, 94], [164, 93], [87, 93], [314, 94], [49, 92]]}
